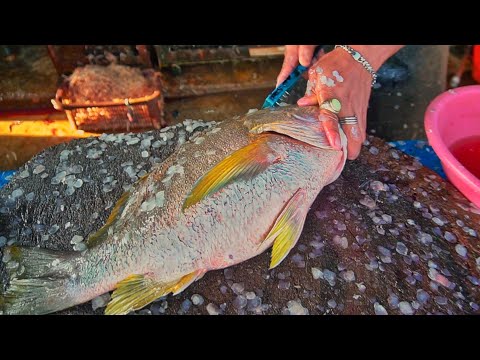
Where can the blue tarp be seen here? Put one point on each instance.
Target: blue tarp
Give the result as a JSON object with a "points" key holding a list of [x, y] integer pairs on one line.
{"points": [[5, 177], [423, 152]]}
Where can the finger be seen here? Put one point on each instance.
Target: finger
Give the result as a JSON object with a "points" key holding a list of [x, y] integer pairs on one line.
{"points": [[363, 125], [347, 109], [308, 100], [324, 93], [361, 128], [355, 135], [352, 132], [290, 61], [329, 122], [354, 141], [354, 147], [305, 54]]}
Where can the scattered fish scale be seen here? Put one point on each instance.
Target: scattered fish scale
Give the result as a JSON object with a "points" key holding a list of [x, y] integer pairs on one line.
{"points": [[416, 302]]}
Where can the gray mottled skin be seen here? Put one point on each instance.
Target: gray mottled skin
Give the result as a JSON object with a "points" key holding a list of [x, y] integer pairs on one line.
{"points": [[223, 229]]}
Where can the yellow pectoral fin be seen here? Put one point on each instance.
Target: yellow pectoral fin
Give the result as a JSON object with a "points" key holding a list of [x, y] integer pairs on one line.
{"points": [[187, 280], [287, 228], [137, 291], [245, 163]]}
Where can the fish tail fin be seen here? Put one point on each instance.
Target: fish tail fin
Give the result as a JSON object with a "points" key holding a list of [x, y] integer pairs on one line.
{"points": [[39, 280], [35, 297]]}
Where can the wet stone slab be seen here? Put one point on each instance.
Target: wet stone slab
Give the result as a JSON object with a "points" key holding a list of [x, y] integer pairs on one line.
{"points": [[388, 237]]}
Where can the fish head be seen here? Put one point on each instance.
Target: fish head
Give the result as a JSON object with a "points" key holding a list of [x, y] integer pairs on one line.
{"points": [[300, 123]]}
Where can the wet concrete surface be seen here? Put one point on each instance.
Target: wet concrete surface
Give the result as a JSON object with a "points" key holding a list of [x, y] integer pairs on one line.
{"points": [[389, 236]]}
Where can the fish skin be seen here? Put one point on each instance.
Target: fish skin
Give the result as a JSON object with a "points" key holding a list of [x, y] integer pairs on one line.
{"points": [[223, 229]]}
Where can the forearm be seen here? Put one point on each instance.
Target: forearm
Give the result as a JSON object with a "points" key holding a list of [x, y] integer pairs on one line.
{"points": [[376, 55]]}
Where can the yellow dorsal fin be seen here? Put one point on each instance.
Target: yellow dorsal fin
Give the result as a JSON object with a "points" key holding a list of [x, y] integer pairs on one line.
{"points": [[287, 227], [102, 234], [244, 163], [98, 237], [307, 130], [137, 291]]}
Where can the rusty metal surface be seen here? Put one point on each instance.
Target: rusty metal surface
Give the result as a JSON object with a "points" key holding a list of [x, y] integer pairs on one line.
{"points": [[27, 79], [68, 57], [31, 80], [214, 78], [168, 55]]}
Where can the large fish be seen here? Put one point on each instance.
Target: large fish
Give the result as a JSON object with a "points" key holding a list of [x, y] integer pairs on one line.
{"points": [[222, 198]]}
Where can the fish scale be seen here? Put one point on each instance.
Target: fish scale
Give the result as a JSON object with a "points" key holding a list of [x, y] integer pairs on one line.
{"points": [[149, 254]]}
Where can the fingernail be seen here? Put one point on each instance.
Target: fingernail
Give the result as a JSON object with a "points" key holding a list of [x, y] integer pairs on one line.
{"points": [[337, 143], [334, 141]]}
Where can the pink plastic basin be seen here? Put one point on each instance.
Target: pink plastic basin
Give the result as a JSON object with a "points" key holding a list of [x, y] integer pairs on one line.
{"points": [[452, 116]]}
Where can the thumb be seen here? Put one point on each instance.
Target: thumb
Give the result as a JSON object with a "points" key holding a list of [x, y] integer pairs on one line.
{"points": [[290, 61], [305, 54]]}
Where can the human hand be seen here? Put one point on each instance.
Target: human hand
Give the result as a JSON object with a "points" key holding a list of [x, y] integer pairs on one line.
{"points": [[338, 75], [295, 54]]}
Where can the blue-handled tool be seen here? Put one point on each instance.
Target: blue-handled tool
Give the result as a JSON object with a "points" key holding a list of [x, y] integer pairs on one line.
{"points": [[281, 92]]}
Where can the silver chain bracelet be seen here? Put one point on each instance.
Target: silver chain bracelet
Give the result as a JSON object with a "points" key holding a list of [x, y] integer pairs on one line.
{"points": [[359, 58]]}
